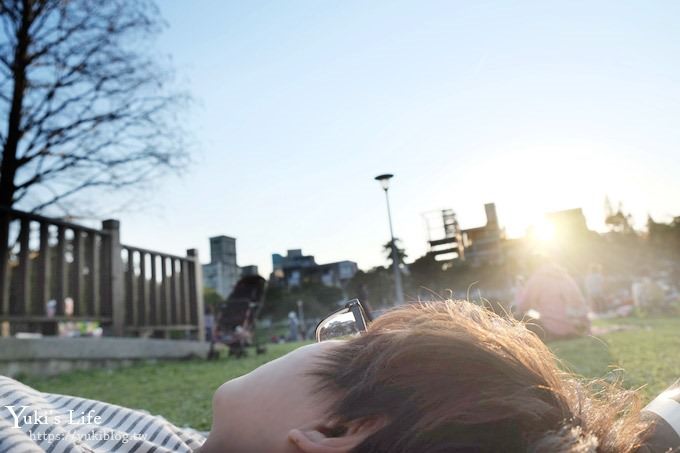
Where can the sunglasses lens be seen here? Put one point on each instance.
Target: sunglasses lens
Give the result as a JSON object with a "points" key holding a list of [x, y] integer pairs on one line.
{"points": [[338, 325]]}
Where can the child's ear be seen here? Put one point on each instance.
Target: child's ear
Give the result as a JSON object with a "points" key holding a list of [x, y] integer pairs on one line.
{"points": [[333, 438]]}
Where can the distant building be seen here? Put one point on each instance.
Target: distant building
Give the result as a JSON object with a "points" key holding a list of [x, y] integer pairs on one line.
{"points": [[337, 274], [249, 271], [479, 246], [448, 241], [482, 245], [294, 269], [570, 222], [293, 258], [222, 273]]}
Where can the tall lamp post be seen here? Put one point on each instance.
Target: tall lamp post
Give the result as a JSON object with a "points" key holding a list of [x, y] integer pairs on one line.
{"points": [[399, 292]]}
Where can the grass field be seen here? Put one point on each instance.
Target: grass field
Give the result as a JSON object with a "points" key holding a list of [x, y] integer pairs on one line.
{"points": [[648, 353], [647, 349]]}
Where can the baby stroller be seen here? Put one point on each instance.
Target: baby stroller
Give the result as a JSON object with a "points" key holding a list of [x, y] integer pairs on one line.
{"points": [[237, 317]]}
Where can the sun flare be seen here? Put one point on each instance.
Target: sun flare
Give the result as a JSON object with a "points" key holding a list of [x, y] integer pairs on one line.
{"points": [[544, 231]]}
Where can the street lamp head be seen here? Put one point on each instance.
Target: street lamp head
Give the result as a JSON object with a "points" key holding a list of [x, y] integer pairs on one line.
{"points": [[384, 180]]}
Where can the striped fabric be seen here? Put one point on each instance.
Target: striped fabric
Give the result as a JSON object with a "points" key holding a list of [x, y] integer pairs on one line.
{"points": [[31, 421], [664, 411]]}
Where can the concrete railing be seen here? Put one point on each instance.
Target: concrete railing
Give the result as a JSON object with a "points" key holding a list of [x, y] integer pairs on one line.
{"points": [[50, 356]]}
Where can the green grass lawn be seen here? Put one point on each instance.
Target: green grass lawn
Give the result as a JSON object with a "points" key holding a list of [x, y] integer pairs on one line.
{"points": [[180, 391], [649, 352]]}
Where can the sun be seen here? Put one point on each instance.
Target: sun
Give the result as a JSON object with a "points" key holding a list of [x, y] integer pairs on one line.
{"points": [[543, 232]]}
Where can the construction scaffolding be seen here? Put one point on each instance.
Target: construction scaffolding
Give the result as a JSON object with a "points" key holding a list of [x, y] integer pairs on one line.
{"points": [[444, 235]]}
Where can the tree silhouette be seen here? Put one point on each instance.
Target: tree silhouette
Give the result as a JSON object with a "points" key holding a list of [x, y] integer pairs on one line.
{"points": [[401, 252], [82, 105], [616, 220]]}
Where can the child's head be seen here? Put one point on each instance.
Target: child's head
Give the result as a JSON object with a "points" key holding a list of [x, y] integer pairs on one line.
{"points": [[445, 376]]}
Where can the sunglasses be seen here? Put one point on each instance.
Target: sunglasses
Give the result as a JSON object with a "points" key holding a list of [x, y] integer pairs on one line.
{"points": [[348, 321]]}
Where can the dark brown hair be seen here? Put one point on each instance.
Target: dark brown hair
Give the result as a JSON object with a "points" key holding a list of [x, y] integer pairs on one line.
{"points": [[452, 376]]}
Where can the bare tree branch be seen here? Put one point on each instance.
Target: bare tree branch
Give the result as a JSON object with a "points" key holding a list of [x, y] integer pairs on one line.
{"points": [[89, 107]]}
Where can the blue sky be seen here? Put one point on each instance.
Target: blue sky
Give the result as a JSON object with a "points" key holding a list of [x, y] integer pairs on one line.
{"points": [[536, 106]]}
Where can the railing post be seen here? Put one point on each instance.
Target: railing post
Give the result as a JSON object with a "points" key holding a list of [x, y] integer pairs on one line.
{"points": [[4, 270], [198, 290], [115, 286]]}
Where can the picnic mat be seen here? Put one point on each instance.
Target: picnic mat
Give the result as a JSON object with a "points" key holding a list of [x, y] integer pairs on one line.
{"points": [[32, 421]]}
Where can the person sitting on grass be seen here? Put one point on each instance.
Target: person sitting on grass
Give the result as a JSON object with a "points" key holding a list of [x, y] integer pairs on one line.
{"points": [[447, 376]]}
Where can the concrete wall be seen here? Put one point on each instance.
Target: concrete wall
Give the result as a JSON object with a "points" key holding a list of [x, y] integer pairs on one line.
{"points": [[51, 356]]}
